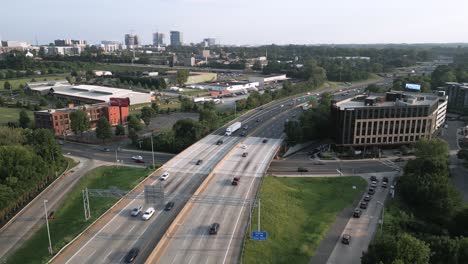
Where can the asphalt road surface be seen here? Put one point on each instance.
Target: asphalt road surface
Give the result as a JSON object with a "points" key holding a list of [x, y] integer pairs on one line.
{"points": [[361, 229], [192, 243]]}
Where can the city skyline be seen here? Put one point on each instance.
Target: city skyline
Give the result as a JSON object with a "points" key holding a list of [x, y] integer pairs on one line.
{"points": [[251, 23]]}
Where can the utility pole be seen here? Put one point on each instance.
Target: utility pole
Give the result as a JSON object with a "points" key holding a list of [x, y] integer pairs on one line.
{"points": [[47, 224], [152, 149]]}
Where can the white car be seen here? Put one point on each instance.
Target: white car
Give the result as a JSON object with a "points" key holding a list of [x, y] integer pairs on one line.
{"points": [[164, 176], [137, 158], [148, 213], [243, 146]]}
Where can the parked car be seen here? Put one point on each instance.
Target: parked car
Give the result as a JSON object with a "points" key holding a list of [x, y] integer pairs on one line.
{"points": [[346, 239], [357, 213], [220, 142], [363, 205], [214, 229], [136, 211], [374, 184], [265, 140], [384, 184], [367, 198], [164, 176], [131, 255], [199, 162], [137, 158], [148, 213], [373, 178], [385, 179], [169, 206], [235, 181], [245, 154], [371, 191]]}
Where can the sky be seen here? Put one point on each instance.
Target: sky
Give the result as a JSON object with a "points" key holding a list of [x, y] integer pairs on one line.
{"points": [[241, 22]]}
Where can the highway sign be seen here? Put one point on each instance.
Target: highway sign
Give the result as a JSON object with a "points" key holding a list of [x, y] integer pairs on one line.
{"points": [[261, 236]]}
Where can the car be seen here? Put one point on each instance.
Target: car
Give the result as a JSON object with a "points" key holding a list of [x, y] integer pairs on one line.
{"points": [[105, 150], [51, 215], [374, 184], [363, 205], [60, 142], [258, 120], [371, 191], [373, 178], [265, 140], [164, 176], [357, 213], [398, 160], [131, 255], [319, 163], [243, 146], [346, 239], [367, 198], [148, 213], [245, 154], [139, 161], [302, 169], [219, 142], [169, 206], [214, 228], [246, 127], [242, 134], [385, 179], [199, 162], [137, 158], [136, 211], [235, 181], [384, 184]]}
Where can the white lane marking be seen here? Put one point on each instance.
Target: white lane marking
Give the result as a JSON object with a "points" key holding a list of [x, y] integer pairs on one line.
{"points": [[108, 254], [91, 255], [129, 231], [240, 213]]}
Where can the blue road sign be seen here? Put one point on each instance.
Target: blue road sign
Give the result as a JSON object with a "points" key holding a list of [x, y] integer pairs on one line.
{"points": [[259, 235]]}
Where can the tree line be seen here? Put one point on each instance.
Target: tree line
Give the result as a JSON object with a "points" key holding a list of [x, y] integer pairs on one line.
{"points": [[29, 160], [427, 222]]}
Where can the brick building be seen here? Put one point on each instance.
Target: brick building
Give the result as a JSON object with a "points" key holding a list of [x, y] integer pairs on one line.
{"points": [[58, 120]]}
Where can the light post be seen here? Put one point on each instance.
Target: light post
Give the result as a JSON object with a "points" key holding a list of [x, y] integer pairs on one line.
{"points": [[383, 214], [47, 224]]}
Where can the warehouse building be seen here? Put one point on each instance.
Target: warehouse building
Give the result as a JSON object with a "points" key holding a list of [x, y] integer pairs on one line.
{"points": [[395, 118]]}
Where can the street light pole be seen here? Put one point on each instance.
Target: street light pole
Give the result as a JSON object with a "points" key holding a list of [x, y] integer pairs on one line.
{"points": [[47, 224]]}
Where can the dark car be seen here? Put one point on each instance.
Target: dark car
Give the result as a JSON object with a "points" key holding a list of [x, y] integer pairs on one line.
{"points": [[220, 142], [245, 154], [199, 162], [235, 181], [385, 179], [357, 213], [139, 161], [302, 169], [169, 206], [214, 229], [363, 205], [373, 178], [371, 191], [367, 198], [346, 239], [131, 255], [265, 140], [106, 150], [242, 134], [258, 120]]}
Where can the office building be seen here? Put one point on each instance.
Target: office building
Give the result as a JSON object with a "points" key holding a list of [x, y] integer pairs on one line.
{"points": [[61, 50], [58, 120], [457, 95], [132, 41], [176, 38], [395, 118], [209, 42], [158, 39], [70, 42]]}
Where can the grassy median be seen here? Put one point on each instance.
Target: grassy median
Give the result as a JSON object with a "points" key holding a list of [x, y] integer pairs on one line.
{"points": [[297, 213], [69, 218]]}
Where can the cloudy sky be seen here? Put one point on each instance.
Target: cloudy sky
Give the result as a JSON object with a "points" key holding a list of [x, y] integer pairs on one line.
{"points": [[239, 21]]}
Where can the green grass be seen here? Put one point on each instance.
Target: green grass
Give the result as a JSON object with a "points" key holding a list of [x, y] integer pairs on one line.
{"points": [[8, 114], [196, 92], [69, 218], [297, 213], [16, 82]]}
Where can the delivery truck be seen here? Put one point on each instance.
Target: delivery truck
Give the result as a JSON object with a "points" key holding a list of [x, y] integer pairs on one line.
{"points": [[232, 128]]}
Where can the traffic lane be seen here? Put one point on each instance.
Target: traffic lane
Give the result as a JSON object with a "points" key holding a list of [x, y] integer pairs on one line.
{"points": [[361, 230], [172, 166], [192, 243]]}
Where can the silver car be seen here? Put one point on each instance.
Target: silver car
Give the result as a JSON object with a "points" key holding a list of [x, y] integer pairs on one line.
{"points": [[136, 211]]}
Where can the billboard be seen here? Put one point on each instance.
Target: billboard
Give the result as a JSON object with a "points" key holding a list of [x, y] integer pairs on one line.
{"points": [[124, 102], [411, 86]]}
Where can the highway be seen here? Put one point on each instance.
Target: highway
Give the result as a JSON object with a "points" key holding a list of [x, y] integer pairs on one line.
{"points": [[192, 242]]}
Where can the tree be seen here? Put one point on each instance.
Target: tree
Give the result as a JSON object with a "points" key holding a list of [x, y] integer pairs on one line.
{"points": [[257, 66], [24, 119], [103, 129], [293, 131], [59, 104], [155, 107], [186, 132], [209, 118], [134, 123], [44, 144], [146, 114], [133, 136], [182, 77], [42, 102], [7, 85], [119, 130], [79, 122]]}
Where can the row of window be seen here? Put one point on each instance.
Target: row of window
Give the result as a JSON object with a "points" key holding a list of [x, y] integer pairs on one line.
{"points": [[373, 113], [373, 128], [387, 140]]}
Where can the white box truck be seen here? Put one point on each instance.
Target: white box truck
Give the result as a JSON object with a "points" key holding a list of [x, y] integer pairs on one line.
{"points": [[232, 128]]}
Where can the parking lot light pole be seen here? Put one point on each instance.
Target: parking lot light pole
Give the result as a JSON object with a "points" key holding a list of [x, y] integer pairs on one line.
{"points": [[47, 224]]}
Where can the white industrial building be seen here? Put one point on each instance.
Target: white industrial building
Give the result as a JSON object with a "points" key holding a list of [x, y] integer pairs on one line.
{"points": [[262, 80], [87, 93], [226, 86]]}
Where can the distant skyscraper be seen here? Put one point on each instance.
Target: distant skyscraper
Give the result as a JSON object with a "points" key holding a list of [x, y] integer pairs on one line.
{"points": [[132, 40], [209, 42], [176, 38], [158, 39]]}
